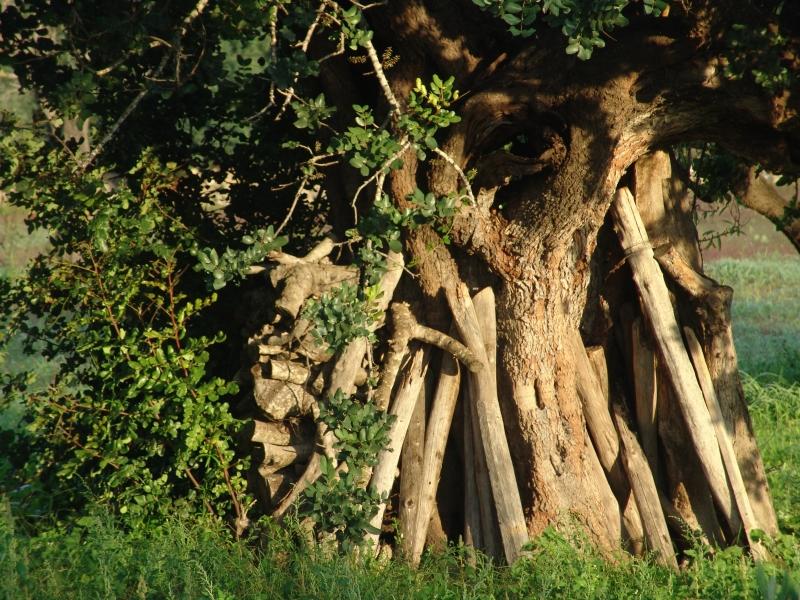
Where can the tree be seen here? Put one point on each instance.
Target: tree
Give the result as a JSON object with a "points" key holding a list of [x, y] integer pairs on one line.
{"points": [[479, 143]]}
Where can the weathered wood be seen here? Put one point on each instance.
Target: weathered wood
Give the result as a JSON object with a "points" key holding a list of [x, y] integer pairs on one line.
{"points": [[513, 529], [473, 535], [277, 457], [597, 356], [343, 377], [283, 370], [645, 393], [402, 408], [603, 434], [644, 491], [712, 306], [411, 477], [490, 536], [658, 309], [726, 447], [438, 428], [686, 486], [279, 433], [280, 400]]}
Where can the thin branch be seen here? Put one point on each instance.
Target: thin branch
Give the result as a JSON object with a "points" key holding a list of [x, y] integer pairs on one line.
{"points": [[296, 199], [449, 160]]}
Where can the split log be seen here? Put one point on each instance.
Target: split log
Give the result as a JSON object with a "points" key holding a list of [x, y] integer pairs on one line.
{"points": [[726, 447], [513, 529], [274, 458], [645, 393], [411, 481], [279, 400], [658, 309], [403, 406], [490, 536], [277, 433], [473, 536], [290, 372], [595, 402], [687, 489], [712, 306], [644, 491], [438, 428], [343, 377]]}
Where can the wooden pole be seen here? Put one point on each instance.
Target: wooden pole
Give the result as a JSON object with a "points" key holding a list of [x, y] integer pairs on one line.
{"points": [[658, 309], [645, 393], [511, 519], [725, 445], [439, 423]]}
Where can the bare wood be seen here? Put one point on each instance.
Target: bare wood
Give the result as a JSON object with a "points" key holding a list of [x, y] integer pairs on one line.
{"points": [[645, 393], [713, 301], [279, 400], [726, 447], [343, 377], [597, 356], [513, 529], [593, 393], [411, 465], [283, 370], [686, 486], [438, 428], [277, 457], [473, 536], [490, 536], [403, 406], [659, 311], [645, 492]]}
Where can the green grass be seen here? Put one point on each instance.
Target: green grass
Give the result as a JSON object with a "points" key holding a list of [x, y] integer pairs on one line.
{"points": [[766, 313], [196, 559]]}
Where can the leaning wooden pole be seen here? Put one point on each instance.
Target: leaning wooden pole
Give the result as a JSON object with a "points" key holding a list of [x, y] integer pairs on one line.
{"points": [[439, 422], [725, 445], [511, 519], [658, 309]]}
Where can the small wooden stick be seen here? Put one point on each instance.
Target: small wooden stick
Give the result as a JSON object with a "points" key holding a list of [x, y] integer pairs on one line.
{"points": [[645, 492], [411, 477], [725, 445]]}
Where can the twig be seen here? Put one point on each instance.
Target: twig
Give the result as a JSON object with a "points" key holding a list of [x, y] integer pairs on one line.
{"points": [[449, 160], [293, 206]]}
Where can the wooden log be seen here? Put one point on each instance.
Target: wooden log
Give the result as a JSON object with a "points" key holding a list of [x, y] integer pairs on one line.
{"points": [[402, 408], [658, 309], [438, 428], [726, 447], [283, 370], [686, 486], [411, 477], [276, 457], [644, 491], [473, 535], [490, 536], [597, 356], [602, 432], [277, 433], [279, 400], [645, 393], [712, 307], [513, 529]]}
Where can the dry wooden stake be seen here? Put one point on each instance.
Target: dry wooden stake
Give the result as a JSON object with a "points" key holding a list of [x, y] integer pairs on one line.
{"points": [[645, 492], [645, 393], [411, 464], [511, 519], [473, 535], [660, 314], [441, 417], [725, 445]]}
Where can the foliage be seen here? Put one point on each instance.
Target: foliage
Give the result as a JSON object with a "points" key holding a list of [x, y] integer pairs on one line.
{"points": [[582, 23]]}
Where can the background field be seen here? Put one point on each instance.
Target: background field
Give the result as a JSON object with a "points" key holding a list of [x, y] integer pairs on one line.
{"points": [[100, 558]]}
